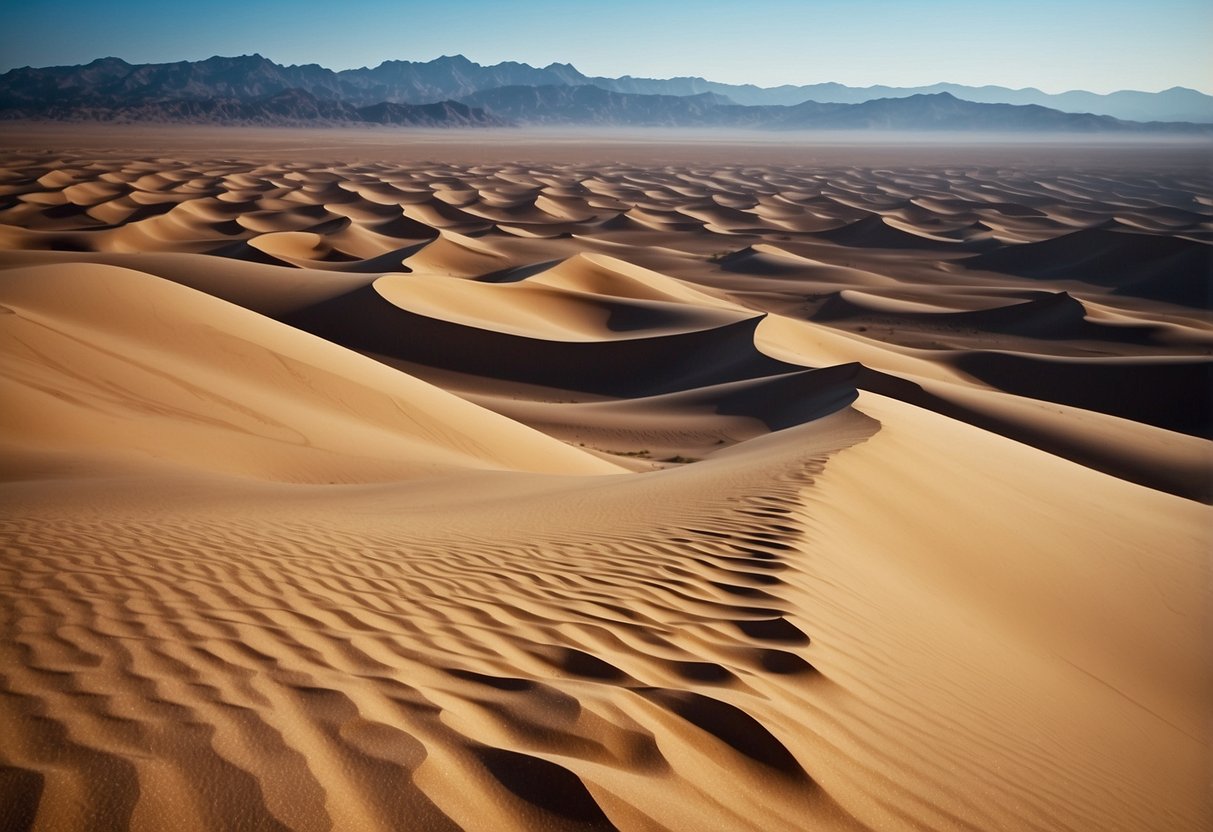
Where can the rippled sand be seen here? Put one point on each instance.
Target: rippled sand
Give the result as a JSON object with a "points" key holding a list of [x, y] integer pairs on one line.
{"points": [[715, 487]]}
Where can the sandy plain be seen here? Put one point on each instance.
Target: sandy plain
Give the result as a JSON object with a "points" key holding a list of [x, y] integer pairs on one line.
{"points": [[407, 480]]}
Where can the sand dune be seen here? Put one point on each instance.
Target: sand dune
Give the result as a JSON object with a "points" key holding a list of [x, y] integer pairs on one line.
{"points": [[519, 344], [158, 385], [776, 489], [1166, 268]]}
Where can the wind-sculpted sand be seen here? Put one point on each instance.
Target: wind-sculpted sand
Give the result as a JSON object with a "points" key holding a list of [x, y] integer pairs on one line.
{"points": [[617, 495]]}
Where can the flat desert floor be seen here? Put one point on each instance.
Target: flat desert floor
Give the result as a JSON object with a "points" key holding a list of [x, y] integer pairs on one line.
{"points": [[429, 481]]}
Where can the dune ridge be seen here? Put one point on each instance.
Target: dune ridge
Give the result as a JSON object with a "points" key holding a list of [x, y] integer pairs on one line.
{"points": [[637, 495]]}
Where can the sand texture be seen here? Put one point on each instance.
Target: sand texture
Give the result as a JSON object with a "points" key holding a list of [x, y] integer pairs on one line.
{"points": [[724, 493]]}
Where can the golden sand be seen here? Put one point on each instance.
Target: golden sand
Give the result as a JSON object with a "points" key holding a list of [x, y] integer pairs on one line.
{"points": [[360, 487]]}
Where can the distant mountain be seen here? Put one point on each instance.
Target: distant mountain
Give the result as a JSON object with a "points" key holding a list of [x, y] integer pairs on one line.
{"points": [[253, 89], [456, 77], [290, 107], [112, 79], [253, 76], [438, 114], [944, 111], [588, 104], [1175, 104], [449, 77]]}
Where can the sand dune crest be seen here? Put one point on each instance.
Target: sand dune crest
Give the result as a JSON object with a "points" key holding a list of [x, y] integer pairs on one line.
{"points": [[188, 378]]}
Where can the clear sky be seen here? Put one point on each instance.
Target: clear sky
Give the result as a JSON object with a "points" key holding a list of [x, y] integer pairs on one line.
{"points": [[1054, 45]]}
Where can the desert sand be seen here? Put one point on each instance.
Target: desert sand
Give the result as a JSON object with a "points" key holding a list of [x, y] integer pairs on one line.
{"points": [[398, 481]]}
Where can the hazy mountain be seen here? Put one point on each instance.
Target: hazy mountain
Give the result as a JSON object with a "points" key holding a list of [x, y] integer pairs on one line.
{"points": [[253, 89], [290, 107], [438, 114], [1175, 104], [944, 111], [456, 77], [588, 104]]}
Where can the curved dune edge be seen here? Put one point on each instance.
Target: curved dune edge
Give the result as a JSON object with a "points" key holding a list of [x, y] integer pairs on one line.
{"points": [[1012, 596], [535, 309], [99, 356], [265, 288], [492, 331], [603, 275]]}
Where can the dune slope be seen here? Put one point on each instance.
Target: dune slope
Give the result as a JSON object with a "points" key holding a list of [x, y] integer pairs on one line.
{"points": [[639, 495]]}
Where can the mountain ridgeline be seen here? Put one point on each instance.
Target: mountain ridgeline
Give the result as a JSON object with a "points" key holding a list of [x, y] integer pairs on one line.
{"points": [[457, 92]]}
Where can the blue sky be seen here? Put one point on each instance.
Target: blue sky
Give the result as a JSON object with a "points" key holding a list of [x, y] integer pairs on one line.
{"points": [[1099, 45]]}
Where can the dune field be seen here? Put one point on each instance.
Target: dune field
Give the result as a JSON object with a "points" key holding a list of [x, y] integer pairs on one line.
{"points": [[393, 481]]}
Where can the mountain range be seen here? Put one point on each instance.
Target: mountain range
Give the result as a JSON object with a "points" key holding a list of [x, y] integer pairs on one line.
{"points": [[587, 104], [454, 91]]}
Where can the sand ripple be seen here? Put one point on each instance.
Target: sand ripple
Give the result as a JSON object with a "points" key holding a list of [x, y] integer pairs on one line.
{"points": [[632, 496]]}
